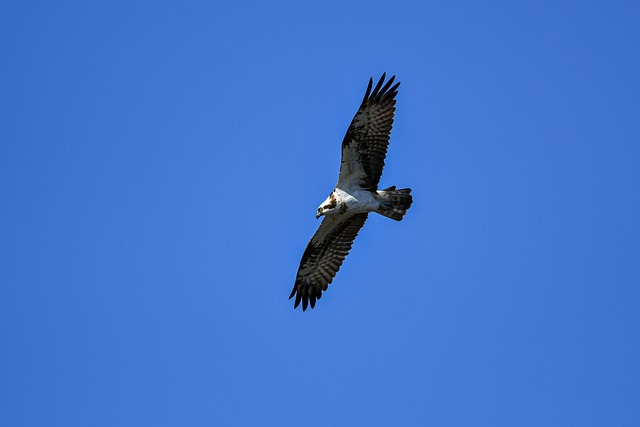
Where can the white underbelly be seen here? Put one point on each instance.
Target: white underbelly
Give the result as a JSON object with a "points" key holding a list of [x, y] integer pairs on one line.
{"points": [[358, 201]]}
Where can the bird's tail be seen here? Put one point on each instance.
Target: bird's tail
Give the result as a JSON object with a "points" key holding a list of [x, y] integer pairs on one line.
{"points": [[394, 203]]}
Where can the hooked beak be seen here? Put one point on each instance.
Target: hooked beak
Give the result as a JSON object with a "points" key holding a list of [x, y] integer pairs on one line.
{"points": [[318, 215]]}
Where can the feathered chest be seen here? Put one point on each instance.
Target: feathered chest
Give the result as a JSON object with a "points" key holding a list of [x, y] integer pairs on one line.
{"points": [[354, 201]]}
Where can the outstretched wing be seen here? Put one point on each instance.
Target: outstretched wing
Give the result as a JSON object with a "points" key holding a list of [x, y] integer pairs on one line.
{"points": [[323, 257], [364, 147]]}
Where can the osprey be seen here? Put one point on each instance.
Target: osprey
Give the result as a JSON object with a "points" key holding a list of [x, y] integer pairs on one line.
{"points": [[346, 209]]}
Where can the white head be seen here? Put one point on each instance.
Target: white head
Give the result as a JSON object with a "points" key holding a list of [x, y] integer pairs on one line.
{"points": [[328, 207]]}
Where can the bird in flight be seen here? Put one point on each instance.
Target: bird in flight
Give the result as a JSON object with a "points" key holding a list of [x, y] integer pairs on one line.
{"points": [[364, 149]]}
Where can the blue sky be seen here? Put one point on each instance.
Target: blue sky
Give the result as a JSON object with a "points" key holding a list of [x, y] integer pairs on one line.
{"points": [[160, 168]]}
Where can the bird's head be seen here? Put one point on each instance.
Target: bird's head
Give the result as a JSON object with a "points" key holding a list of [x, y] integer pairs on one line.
{"points": [[328, 207]]}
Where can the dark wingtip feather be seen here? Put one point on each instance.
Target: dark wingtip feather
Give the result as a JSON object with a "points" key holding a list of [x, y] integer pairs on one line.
{"points": [[369, 86], [298, 297], [376, 90], [380, 91], [387, 85], [394, 89]]}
